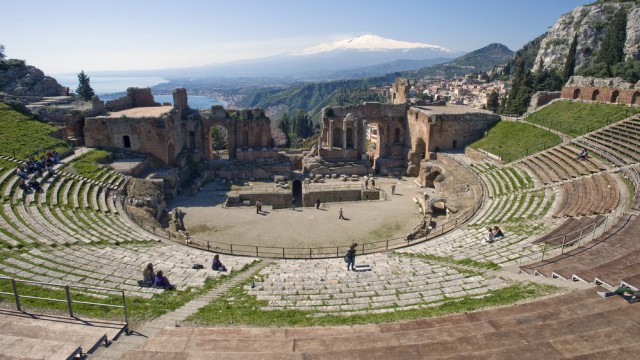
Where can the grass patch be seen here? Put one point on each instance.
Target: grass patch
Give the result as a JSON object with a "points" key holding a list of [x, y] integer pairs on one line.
{"points": [[240, 308], [512, 141], [87, 165], [575, 118], [22, 136]]}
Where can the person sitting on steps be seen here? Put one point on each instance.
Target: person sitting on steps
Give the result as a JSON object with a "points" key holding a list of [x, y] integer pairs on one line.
{"points": [[148, 275], [162, 281], [488, 237], [623, 291], [217, 264], [583, 155], [497, 233]]}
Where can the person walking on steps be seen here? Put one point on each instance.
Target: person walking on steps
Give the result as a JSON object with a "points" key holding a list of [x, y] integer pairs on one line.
{"points": [[350, 257]]}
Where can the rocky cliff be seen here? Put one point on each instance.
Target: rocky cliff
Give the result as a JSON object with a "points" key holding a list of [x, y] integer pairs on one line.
{"points": [[589, 23], [17, 78]]}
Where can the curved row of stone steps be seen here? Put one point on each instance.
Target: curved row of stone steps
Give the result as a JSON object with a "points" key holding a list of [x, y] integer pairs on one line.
{"points": [[597, 194], [117, 267], [575, 326], [383, 283], [502, 180]]}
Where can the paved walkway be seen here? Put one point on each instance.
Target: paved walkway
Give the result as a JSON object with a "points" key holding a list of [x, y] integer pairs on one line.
{"points": [[171, 319]]}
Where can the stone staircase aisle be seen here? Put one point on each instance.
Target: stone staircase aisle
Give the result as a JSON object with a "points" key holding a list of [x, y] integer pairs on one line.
{"points": [[140, 336]]}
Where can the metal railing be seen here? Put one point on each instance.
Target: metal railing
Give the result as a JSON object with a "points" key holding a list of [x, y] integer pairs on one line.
{"points": [[69, 300], [538, 252]]}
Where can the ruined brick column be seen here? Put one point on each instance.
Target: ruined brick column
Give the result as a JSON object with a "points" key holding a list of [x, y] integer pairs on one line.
{"points": [[344, 134], [355, 134], [180, 99], [364, 136], [330, 134]]}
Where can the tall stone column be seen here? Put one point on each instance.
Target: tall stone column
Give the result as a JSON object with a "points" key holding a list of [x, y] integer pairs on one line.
{"points": [[344, 134], [364, 136], [355, 134], [330, 134]]}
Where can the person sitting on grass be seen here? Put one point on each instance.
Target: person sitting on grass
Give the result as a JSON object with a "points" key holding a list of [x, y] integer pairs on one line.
{"points": [[217, 264], [625, 292], [162, 281]]}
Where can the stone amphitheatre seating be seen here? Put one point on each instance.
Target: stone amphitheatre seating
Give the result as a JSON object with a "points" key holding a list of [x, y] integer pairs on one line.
{"points": [[114, 266], [596, 194], [608, 259], [577, 326], [72, 211], [559, 163], [383, 283], [611, 258], [51, 337]]}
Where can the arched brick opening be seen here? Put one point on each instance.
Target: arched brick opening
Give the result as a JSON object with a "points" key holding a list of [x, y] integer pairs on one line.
{"points": [[635, 99], [576, 93], [337, 137], [614, 96], [349, 138], [594, 95]]}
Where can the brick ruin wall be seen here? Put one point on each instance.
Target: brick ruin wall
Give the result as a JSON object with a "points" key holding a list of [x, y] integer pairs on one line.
{"points": [[456, 131], [156, 136], [602, 94], [338, 195]]}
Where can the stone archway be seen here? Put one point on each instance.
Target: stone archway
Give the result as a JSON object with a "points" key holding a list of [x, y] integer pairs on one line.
{"points": [[614, 96], [594, 95], [349, 137], [635, 98], [576, 94]]}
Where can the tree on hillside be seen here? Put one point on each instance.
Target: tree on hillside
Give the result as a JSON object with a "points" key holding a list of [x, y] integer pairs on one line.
{"points": [[2, 55], [493, 102], [84, 89], [219, 138], [570, 64], [302, 126], [611, 50]]}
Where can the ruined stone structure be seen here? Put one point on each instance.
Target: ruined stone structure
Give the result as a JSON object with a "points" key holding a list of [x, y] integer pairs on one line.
{"points": [[405, 137], [400, 91], [176, 134], [609, 90]]}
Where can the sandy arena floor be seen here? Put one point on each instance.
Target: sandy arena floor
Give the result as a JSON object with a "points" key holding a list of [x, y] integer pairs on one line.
{"points": [[367, 221]]}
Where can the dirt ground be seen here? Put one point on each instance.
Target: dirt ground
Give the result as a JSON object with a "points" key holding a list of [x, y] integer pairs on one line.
{"points": [[366, 221]]}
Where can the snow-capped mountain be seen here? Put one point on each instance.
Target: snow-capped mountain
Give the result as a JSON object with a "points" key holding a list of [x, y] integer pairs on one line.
{"points": [[370, 43], [367, 55]]}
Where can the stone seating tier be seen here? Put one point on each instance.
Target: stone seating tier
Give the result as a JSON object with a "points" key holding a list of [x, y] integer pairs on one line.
{"points": [[563, 327], [610, 258]]}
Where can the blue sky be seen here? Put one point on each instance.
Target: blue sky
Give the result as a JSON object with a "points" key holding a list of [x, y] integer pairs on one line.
{"points": [[69, 35]]}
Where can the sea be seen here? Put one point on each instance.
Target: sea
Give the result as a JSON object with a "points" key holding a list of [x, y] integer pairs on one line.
{"points": [[111, 87]]}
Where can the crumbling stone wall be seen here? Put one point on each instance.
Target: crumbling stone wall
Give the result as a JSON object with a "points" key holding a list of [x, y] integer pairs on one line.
{"points": [[136, 97], [158, 136], [400, 91]]}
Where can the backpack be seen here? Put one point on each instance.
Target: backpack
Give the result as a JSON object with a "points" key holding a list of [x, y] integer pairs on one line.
{"points": [[197, 266]]}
